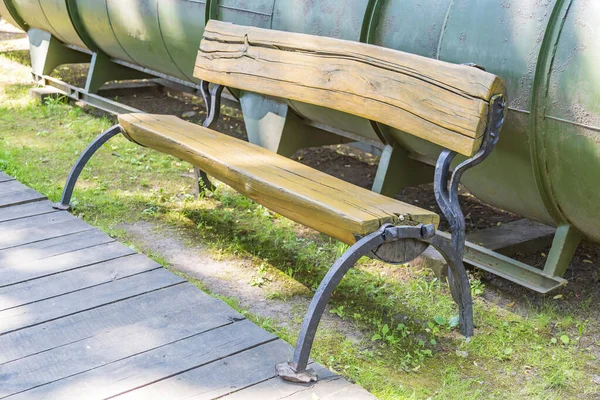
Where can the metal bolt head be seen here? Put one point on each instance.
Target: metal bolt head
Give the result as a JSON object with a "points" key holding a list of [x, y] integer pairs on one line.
{"points": [[427, 231]]}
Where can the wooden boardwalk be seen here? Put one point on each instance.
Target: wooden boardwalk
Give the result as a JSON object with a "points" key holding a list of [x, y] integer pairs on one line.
{"points": [[85, 317]]}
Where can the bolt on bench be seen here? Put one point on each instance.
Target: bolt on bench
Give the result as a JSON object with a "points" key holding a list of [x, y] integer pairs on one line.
{"points": [[458, 107]]}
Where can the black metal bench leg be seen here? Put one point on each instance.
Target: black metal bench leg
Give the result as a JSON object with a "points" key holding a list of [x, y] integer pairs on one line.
{"points": [[296, 371], [65, 199], [212, 100], [458, 281]]}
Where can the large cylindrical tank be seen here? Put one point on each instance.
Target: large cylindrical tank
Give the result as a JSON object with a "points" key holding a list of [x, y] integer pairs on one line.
{"points": [[547, 164]]}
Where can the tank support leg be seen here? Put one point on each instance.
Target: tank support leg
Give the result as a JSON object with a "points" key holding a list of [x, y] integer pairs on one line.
{"points": [[65, 199], [397, 170], [565, 243], [273, 125], [47, 53], [103, 70]]}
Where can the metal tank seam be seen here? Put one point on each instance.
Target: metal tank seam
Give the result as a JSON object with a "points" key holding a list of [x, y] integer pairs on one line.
{"points": [[538, 109], [366, 36], [83, 34], [112, 29], [272, 14], [162, 39], [443, 31], [15, 15], [55, 33]]}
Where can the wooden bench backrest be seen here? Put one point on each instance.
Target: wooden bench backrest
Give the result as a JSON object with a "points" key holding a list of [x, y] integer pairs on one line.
{"points": [[444, 103]]}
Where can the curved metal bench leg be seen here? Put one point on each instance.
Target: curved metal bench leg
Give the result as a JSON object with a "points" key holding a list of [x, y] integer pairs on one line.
{"points": [[296, 371], [212, 100], [65, 200], [458, 281]]}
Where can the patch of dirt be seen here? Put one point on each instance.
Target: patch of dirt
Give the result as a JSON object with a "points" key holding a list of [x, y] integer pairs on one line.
{"points": [[280, 298]]}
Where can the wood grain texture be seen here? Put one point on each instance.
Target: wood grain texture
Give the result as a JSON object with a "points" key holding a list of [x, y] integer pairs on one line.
{"points": [[71, 303], [5, 178], [214, 380], [305, 195], [71, 281], [135, 357], [441, 102], [26, 210], [150, 310], [15, 271]]}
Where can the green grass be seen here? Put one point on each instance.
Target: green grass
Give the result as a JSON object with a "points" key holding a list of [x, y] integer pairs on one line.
{"points": [[410, 346]]}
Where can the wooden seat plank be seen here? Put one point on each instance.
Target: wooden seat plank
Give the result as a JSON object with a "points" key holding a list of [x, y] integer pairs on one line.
{"points": [[142, 357], [441, 102], [312, 198], [153, 309], [29, 315]]}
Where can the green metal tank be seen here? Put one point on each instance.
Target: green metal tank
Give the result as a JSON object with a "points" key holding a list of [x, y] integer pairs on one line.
{"points": [[547, 163]]}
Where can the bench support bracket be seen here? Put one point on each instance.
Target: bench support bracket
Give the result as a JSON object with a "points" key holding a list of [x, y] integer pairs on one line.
{"points": [[212, 100], [296, 370], [446, 193], [65, 200]]}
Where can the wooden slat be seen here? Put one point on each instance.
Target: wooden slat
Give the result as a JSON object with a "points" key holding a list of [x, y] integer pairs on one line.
{"points": [[218, 378], [11, 186], [312, 198], [28, 230], [14, 271], [329, 387], [5, 178], [47, 310], [441, 102], [71, 281], [277, 388], [26, 210], [19, 197], [153, 309], [136, 359], [53, 247]]}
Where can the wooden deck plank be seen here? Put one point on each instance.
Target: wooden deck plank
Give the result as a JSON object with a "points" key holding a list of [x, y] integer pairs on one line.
{"points": [[277, 388], [74, 280], [219, 378], [53, 247], [14, 272], [329, 386], [26, 210], [158, 305], [37, 221], [113, 378], [5, 178], [82, 316], [20, 232], [20, 197], [58, 307], [9, 186]]}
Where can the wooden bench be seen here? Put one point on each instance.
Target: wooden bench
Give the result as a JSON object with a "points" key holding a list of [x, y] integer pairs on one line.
{"points": [[458, 107]]}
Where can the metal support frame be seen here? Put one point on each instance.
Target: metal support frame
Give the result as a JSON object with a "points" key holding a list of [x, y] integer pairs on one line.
{"points": [[212, 100], [65, 200], [446, 190]]}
